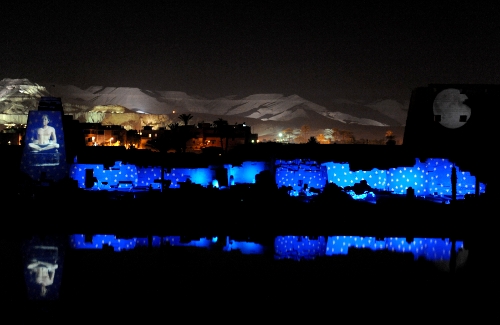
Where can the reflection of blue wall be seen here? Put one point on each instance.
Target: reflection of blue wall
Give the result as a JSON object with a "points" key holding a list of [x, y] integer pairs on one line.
{"points": [[243, 247], [78, 242], [289, 247], [299, 247], [431, 249], [121, 244]]}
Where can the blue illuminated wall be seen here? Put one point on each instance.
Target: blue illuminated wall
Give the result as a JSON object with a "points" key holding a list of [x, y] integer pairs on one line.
{"points": [[112, 176], [341, 175], [297, 173], [202, 176], [245, 174], [145, 176], [430, 177]]}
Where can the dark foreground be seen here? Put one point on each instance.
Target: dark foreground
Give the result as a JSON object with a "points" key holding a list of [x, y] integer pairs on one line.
{"points": [[199, 284]]}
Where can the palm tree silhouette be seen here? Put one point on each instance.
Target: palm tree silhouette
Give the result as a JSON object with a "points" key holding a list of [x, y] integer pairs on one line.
{"points": [[185, 118], [222, 130]]}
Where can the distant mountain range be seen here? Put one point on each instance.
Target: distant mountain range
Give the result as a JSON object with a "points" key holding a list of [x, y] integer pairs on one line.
{"points": [[267, 114]]}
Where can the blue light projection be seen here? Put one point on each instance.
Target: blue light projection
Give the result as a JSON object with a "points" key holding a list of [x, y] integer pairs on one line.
{"points": [[146, 176], [245, 174], [106, 177], [432, 177], [361, 196], [301, 175], [176, 176], [341, 175]]}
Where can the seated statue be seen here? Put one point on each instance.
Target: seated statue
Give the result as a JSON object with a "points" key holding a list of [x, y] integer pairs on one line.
{"points": [[46, 137]]}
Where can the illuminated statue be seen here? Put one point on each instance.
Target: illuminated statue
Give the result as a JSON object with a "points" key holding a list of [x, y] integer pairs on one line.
{"points": [[46, 137]]}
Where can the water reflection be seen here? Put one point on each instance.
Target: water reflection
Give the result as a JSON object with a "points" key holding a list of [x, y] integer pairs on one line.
{"points": [[430, 249], [289, 247], [43, 260], [121, 244]]}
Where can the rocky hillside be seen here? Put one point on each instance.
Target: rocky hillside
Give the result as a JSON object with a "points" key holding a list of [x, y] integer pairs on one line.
{"points": [[267, 114]]}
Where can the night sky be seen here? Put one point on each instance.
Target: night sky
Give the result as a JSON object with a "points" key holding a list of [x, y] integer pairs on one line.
{"points": [[319, 51]]}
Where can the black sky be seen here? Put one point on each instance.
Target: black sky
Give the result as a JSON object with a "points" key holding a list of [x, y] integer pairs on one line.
{"points": [[350, 49]]}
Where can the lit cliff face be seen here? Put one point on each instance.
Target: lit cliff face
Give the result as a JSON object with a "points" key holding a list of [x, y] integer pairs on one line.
{"points": [[19, 96], [267, 114], [256, 107]]}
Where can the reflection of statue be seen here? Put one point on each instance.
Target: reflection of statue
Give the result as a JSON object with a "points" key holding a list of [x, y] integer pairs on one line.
{"points": [[46, 137], [41, 266], [44, 274]]}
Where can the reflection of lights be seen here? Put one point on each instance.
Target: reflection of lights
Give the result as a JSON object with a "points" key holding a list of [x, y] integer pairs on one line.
{"points": [[431, 249], [293, 247]]}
